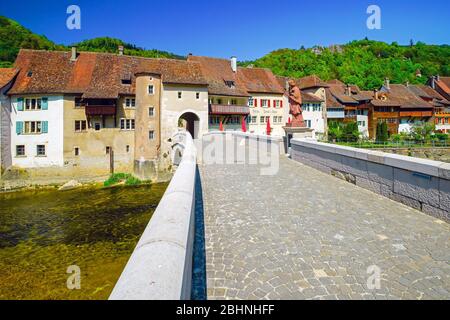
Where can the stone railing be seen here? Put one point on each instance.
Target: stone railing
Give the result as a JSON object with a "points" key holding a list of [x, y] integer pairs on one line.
{"points": [[251, 136], [160, 267], [418, 183]]}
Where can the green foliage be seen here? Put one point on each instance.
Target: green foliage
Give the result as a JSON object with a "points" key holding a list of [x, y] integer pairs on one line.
{"points": [[442, 136], [338, 131], [351, 132], [111, 45], [364, 63], [423, 132], [382, 132], [13, 37], [126, 178], [335, 131]]}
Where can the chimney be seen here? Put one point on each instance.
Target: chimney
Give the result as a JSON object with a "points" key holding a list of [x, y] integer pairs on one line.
{"points": [[348, 90], [438, 78], [376, 94], [387, 83], [234, 63], [73, 56], [407, 83], [121, 50], [433, 84], [287, 86]]}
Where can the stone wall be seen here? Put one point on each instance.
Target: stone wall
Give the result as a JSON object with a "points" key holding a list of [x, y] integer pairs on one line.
{"points": [[418, 183], [160, 267]]}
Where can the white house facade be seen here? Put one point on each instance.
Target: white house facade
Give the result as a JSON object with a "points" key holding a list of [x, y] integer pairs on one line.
{"points": [[37, 131]]}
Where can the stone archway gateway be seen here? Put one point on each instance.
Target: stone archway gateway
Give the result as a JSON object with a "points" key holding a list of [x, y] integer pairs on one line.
{"points": [[191, 122]]}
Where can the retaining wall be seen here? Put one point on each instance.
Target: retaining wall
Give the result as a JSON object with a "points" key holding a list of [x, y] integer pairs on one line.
{"points": [[160, 267], [418, 183]]}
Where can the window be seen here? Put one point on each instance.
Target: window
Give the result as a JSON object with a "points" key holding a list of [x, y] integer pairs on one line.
{"points": [[151, 89], [40, 150], [267, 119], [262, 119], [151, 134], [229, 83], [219, 101], [250, 102], [264, 103], [128, 148], [233, 102], [361, 123], [308, 123], [127, 124], [97, 126], [80, 125], [108, 150], [79, 103], [214, 120], [151, 112], [130, 102], [197, 95], [76, 151], [20, 151], [33, 104], [179, 94], [33, 127], [253, 119]]}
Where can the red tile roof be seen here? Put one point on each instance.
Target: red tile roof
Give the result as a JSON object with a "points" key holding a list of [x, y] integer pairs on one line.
{"points": [[7, 75], [216, 72], [257, 80], [95, 75], [309, 97], [444, 84], [399, 95], [311, 82]]}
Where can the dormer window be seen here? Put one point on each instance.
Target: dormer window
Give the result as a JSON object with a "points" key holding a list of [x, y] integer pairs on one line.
{"points": [[229, 83], [126, 79], [30, 74]]}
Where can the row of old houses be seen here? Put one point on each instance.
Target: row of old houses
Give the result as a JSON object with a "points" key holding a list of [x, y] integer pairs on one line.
{"points": [[78, 111]]}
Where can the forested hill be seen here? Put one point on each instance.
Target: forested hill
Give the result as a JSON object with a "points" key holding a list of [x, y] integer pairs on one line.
{"points": [[364, 63], [14, 36]]}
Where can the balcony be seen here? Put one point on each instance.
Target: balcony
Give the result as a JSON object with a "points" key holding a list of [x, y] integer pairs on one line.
{"points": [[335, 114], [101, 110], [223, 109]]}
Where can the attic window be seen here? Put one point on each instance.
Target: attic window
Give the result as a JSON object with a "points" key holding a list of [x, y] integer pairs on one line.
{"points": [[30, 74], [229, 83], [126, 78]]}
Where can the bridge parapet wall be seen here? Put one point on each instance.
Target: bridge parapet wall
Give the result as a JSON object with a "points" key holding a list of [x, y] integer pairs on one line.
{"points": [[419, 183], [160, 267]]}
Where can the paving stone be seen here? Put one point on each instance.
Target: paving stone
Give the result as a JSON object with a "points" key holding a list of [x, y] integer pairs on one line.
{"points": [[303, 234]]}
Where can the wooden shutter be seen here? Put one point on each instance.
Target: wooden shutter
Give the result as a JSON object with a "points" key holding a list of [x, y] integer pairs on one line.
{"points": [[255, 102], [44, 126], [19, 127], [281, 103], [268, 103], [44, 104], [20, 104]]}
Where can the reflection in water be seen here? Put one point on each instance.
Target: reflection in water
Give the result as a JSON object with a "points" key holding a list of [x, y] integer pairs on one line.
{"points": [[43, 233]]}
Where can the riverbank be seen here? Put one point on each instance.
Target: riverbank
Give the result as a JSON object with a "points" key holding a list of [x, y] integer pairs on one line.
{"points": [[55, 182], [43, 232]]}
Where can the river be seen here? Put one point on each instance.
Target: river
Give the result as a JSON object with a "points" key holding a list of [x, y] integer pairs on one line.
{"points": [[43, 233]]}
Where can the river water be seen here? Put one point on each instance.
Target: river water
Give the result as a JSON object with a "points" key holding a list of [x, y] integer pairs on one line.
{"points": [[43, 233]]}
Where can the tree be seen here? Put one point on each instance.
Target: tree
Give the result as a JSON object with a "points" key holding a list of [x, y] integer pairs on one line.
{"points": [[382, 132], [335, 131]]}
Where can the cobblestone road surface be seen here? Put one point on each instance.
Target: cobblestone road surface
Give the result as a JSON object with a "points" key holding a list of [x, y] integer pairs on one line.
{"points": [[305, 235]]}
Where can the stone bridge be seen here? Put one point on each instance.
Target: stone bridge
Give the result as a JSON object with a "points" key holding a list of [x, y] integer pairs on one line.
{"points": [[303, 234]]}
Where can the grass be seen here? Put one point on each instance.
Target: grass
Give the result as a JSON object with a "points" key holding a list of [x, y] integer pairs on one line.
{"points": [[117, 178]]}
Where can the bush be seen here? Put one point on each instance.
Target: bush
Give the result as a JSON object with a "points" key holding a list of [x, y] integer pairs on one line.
{"points": [[351, 132], [441, 136], [382, 132], [117, 178], [335, 131]]}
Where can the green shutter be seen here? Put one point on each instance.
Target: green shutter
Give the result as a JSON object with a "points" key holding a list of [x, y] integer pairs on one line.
{"points": [[44, 104], [20, 104], [44, 126], [19, 127]]}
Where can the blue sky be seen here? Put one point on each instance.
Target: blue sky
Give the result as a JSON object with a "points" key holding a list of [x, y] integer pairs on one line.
{"points": [[245, 28]]}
